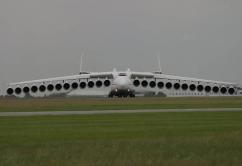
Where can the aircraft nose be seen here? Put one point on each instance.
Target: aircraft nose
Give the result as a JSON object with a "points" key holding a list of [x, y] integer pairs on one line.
{"points": [[123, 82]]}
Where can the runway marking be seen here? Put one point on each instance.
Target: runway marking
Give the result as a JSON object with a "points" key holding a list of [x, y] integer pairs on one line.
{"points": [[45, 113]]}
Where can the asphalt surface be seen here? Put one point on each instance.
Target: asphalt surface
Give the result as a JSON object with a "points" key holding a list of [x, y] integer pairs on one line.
{"points": [[45, 113]]}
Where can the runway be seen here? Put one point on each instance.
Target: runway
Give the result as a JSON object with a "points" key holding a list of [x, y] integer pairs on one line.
{"points": [[54, 113]]}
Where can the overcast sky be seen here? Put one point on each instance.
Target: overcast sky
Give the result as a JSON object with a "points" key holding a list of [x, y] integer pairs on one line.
{"points": [[45, 38]]}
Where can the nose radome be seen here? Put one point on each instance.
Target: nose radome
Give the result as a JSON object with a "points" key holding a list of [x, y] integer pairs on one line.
{"points": [[123, 82]]}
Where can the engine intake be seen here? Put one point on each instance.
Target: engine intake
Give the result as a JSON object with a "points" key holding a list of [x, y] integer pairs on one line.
{"points": [[50, 87], [18, 90], [34, 89], [58, 87], [67, 86], [42, 88], [168, 85], [223, 90], [192, 87], [26, 89], [160, 85], [231, 91], [107, 83], [152, 84], [144, 83], [90, 84], [177, 86], [83, 85], [208, 89], [215, 89], [99, 83], [200, 88], [74, 85], [9, 91], [136, 83], [184, 86]]}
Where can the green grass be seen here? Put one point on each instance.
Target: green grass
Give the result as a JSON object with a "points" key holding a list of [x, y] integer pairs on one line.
{"points": [[15, 105], [195, 138]]}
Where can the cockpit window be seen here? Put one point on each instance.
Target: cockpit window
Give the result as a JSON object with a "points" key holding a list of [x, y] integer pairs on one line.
{"points": [[122, 74]]}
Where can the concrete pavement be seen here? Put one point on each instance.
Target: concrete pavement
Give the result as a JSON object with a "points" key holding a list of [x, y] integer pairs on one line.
{"points": [[45, 113]]}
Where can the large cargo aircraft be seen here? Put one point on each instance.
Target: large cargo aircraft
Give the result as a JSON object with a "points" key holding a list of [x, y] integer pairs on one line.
{"points": [[123, 84]]}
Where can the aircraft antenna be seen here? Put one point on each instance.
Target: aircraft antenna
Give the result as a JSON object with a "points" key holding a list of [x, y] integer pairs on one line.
{"points": [[158, 58], [81, 62]]}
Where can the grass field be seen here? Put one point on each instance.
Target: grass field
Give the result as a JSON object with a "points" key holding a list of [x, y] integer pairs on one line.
{"points": [[195, 138], [14, 105]]}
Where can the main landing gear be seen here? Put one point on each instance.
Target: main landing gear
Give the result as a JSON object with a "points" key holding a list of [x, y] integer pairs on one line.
{"points": [[121, 95]]}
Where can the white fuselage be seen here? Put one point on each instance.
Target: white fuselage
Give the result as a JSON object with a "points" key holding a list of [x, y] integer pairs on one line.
{"points": [[122, 85]]}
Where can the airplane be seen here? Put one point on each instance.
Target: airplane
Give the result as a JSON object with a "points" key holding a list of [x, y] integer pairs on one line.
{"points": [[123, 84]]}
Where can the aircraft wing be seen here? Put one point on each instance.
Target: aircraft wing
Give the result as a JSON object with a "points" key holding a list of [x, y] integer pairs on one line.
{"points": [[149, 75], [74, 84], [170, 85]]}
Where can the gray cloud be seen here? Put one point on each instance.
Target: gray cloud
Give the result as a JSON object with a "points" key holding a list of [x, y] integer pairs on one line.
{"points": [[45, 38]]}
